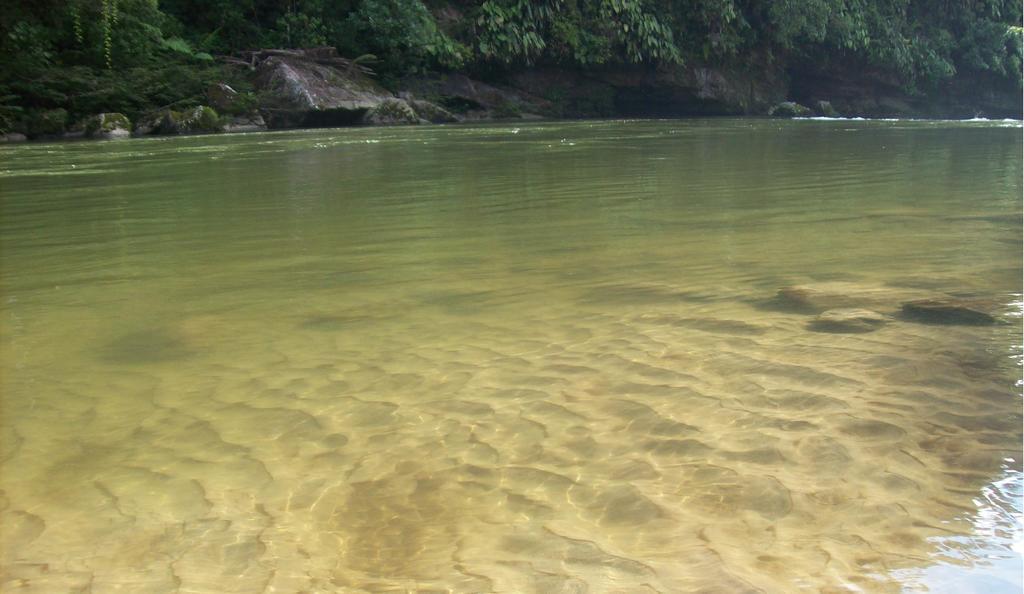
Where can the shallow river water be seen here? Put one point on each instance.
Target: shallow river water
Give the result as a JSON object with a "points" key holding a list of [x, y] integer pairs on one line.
{"points": [[511, 358]]}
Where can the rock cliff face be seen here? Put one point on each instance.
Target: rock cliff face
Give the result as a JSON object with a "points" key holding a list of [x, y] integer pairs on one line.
{"points": [[623, 91]]}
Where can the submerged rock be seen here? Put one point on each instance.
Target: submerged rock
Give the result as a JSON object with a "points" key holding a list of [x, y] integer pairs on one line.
{"points": [[848, 321], [108, 126], [951, 311], [820, 297]]}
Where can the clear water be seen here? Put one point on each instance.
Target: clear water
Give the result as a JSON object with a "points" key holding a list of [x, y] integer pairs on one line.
{"points": [[530, 358]]}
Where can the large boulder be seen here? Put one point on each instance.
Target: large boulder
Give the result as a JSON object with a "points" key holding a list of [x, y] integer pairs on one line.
{"points": [[108, 126], [314, 89]]}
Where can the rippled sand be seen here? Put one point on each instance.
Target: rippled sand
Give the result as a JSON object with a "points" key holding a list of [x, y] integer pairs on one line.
{"points": [[490, 404]]}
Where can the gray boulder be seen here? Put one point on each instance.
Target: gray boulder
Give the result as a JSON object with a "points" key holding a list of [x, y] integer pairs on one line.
{"points": [[313, 89], [13, 137]]}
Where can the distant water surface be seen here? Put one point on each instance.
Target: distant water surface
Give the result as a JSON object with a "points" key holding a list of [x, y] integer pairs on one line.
{"points": [[511, 358]]}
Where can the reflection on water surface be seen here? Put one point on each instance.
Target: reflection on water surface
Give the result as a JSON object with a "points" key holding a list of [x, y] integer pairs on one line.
{"points": [[541, 358]]}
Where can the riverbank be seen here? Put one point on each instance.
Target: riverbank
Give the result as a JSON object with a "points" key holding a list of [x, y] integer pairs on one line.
{"points": [[316, 88]]}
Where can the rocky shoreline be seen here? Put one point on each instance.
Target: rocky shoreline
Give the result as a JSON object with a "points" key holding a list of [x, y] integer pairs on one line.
{"points": [[316, 88]]}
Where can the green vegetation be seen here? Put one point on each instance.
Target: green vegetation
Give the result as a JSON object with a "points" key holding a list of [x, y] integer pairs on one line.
{"points": [[135, 56]]}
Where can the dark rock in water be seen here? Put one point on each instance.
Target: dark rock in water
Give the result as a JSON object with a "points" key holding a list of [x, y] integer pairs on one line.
{"points": [[848, 321], [789, 109], [960, 312]]}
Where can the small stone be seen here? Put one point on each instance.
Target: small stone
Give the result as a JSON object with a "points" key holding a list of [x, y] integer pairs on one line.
{"points": [[848, 321], [957, 312]]}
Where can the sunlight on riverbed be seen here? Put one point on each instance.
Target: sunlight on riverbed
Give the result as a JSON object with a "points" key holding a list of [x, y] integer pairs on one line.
{"points": [[527, 358]]}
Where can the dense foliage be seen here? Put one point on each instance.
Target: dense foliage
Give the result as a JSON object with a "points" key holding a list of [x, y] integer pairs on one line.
{"points": [[127, 55]]}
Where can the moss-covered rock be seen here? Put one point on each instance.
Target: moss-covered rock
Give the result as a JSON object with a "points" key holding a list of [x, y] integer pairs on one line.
{"points": [[391, 112], [195, 120], [108, 125], [49, 122], [201, 118], [789, 109]]}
